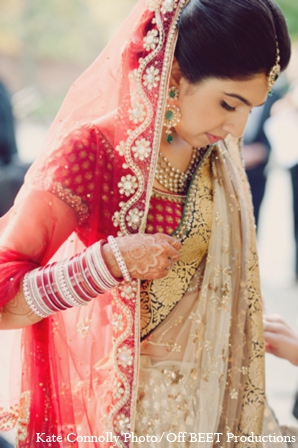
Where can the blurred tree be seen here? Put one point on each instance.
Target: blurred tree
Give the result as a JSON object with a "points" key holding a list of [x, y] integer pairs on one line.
{"points": [[68, 29], [290, 9], [33, 31]]}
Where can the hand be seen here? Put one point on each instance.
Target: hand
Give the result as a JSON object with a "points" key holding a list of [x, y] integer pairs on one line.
{"points": [[281, 340], [146, 256], [254, 155]]}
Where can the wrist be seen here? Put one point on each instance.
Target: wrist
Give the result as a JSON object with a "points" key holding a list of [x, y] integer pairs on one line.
{"points": [[294, 358], [111, 261]]}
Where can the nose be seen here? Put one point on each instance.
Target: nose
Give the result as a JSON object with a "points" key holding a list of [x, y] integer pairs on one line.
{"points": [[236, 124]]}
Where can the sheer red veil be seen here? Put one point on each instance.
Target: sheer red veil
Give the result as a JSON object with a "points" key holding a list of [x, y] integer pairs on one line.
{"points": [[108, 128]]}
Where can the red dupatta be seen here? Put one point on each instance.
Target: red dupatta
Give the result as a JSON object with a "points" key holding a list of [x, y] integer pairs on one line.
{"points": [[79, 368]]}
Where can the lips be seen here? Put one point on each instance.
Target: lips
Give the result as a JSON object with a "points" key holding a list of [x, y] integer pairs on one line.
{"points": [[213, 138]]}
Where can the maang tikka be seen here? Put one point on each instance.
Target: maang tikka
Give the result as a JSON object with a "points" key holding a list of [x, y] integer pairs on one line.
{"points": [[275, 70], [172, 113]]}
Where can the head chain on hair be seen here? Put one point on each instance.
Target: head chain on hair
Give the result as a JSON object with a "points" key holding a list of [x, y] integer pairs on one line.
{"points": [[275, 71]]}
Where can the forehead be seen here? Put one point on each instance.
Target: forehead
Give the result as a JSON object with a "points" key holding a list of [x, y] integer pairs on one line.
{"points": [[253, 89]]}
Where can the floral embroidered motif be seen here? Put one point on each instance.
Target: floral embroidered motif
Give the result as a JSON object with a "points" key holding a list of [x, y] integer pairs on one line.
{"points": [[121, 148], [134, 218], [133, 76], [122, 423], [151, 78], [174, 375], [8, 419], [168, 6], [83, 327], [68, 196], [152, 4], [117, 322], [128, 290], [137, 113], [151, 40], [244, 370], [234, 394], [124, 356], [142, 149], [17, 416], [128, 185], [144, 81], [118, 389], [116, 219], [24, 415]]}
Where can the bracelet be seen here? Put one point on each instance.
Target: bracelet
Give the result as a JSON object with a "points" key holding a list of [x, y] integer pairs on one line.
{"points": [[68, 283], [119, 258]]}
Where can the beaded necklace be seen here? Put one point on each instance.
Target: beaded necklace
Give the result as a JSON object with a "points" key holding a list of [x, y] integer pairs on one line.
{"points": [[172, 178]]}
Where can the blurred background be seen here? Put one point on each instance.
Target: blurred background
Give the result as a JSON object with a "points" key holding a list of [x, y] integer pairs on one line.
{"points": [[45, 45]]}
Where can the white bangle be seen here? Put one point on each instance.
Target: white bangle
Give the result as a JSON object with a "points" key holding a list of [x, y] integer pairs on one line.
{"points": [[119, 258]]}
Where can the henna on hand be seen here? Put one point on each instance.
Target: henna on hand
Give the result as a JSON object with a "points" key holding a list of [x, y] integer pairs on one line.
{"points": [[19, 307], [147, 256]]}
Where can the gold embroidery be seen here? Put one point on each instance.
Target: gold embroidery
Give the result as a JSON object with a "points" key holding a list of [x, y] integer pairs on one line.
{"points": [[170, 345], [72, 199], [174, 375], [159, 297], [24, 415], [177, 198], [83, 327], [17, 416]]}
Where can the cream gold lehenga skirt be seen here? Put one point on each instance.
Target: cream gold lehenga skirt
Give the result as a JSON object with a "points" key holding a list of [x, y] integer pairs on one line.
{"points": [[174, 395], [167, 404], [180, 382]]}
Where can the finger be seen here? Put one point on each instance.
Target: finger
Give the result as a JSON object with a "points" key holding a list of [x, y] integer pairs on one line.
{"points": [[171, 264], [274, 318], [269, 349], [273, 327], [163, 238], [268, 346], [176, 244], [172, 253], [273, 339], [159, 274]]}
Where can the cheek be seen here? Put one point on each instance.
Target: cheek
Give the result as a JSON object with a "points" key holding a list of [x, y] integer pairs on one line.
{"points": [[192, 118], [197, 121]]}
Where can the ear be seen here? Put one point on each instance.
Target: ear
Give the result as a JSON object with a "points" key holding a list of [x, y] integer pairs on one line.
{"points": [[176, 74]]}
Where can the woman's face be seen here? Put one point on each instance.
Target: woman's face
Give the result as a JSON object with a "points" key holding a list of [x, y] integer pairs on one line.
{"points": [[214, 108]]}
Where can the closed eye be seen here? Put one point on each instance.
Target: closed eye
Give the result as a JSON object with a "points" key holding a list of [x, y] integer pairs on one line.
{"points": [[228, 107]]}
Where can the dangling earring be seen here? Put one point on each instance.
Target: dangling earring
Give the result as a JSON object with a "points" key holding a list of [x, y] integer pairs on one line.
{"points": [[172, 114]]}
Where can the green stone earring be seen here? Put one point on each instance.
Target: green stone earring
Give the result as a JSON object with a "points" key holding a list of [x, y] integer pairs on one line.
{"points": [[172, 114], [173, 93]]}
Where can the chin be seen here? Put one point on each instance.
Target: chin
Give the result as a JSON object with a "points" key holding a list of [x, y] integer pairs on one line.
{"points": [[195, 141], [200, 142]]}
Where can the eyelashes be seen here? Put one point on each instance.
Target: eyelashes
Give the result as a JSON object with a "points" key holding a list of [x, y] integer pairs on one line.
{"points": [[227, 107]]}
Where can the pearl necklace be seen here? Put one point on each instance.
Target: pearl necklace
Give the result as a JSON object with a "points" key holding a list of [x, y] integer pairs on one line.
{"points": [[172, 178]]}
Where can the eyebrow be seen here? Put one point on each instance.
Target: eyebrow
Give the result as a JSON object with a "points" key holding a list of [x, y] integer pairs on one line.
{"points": [[240, 98]]}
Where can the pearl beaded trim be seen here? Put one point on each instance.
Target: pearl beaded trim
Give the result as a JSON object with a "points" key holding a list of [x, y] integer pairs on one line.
{"points": [[119, 258], [172, 178]]}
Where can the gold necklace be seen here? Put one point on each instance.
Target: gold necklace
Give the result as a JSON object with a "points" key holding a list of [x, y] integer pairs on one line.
{"points": [[172, 178]]}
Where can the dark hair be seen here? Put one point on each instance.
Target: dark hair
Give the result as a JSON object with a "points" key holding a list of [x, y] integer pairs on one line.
{"points": [[231, 38]]}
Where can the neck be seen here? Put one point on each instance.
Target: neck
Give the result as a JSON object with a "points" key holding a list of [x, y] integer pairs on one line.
{"points": [[178, 144]]}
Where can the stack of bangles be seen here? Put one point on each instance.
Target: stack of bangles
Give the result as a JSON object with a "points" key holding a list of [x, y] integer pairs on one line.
{"points": [[72, 282]]}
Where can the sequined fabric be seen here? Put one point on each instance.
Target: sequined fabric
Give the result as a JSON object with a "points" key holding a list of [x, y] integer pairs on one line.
{"points": [[167, 401]]}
